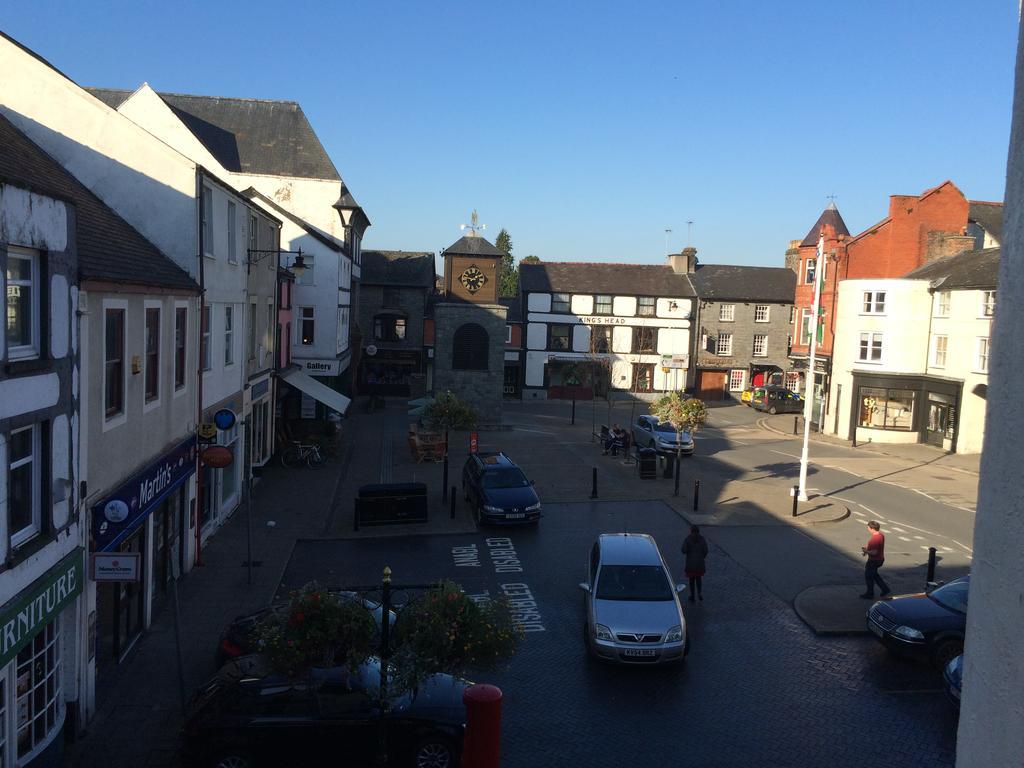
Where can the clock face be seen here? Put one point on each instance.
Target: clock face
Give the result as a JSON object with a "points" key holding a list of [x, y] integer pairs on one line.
{"points": [[473, 279]]}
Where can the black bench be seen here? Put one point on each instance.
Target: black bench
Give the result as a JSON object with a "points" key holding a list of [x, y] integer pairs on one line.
{"points": [[389, 504]]}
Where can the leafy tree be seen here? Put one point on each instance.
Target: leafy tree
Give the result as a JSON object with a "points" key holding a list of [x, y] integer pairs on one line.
{"points": [[509, 272], [531, 259], [684, 414], [448, 412]]}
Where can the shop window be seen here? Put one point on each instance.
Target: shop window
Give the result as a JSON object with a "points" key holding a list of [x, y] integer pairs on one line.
{"points": [[23, 308], [939, 346], [560, 302], [389, 328], [943, 299], [601, 339], [152, 375], [39, 707], [870, 348], [645, 340], [113, 362], [727, 313], [205, 340], [470, 348], [981, 354], [645, 306], [180, 345], [723, 346], [761, 313], [760, 345], [307, 325], [559, 337], [882, 408], [737, 378], [874, 302], [988, 303], [24, 484], [602, 305], [793, 381], [229, 474], [229, 335]]}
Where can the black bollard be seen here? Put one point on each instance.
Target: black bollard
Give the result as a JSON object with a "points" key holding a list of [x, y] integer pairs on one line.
{"points": [[452, 497], [669, 465], [931, 565], [573, 421], [796, 422], [444, 479], [796, 497], [696, 494], [593, 485], [675, 489]]}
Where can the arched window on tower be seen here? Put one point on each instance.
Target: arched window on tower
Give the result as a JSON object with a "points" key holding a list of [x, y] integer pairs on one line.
{"points": [[470, 348]]}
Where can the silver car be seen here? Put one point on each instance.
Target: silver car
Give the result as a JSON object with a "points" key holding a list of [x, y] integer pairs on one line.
{"points": [[648, 433], [633, 610]]}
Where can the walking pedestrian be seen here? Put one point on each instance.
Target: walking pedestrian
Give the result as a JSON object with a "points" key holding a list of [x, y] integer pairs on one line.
{"points": [[875, 552], [695, 549]]}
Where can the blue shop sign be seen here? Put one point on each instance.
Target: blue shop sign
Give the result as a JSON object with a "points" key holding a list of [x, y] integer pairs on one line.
{"points": [[120, 513]]}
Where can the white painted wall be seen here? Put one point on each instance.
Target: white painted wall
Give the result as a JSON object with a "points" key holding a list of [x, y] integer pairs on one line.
{"points": [[992, 708], [580, 305]]}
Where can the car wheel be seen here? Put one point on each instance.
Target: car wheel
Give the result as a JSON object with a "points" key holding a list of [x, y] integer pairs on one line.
{"points": [[946, 651], [232, 760], [434, 752]]}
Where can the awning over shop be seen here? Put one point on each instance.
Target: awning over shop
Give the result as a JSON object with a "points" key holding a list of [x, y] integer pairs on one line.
{"points": [[305, 383]]}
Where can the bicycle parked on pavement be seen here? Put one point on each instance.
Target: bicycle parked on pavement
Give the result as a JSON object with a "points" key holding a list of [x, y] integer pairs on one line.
{"points": [[303, 453]]}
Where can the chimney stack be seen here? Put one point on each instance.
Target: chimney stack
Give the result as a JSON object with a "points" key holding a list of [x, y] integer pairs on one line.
{"points": [[684, 262]]}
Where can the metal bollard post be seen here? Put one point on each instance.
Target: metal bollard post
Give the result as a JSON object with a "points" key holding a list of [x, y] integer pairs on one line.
{"points": [[931, 565], [669, 465], [696, 494], [482, 741], [452, 497], [796, 498], [796, 423], [593, 486], [675, 490], [444, 479], [573, 420]]}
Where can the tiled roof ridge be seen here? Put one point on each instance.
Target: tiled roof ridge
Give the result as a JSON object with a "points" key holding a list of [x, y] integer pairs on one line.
{"points": [[594, 264], [985, 202]]}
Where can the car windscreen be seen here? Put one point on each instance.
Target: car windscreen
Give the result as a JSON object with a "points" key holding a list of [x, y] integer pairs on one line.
{"points": [[509, 477], [667, 428], [952, 596], [633, 582]]}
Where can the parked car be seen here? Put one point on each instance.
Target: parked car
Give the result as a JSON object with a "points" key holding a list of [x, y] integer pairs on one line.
{"points": [[777, 400], [248, 716], [928, 625], [953, 676], [747, 395], [239, 638], [633, 611], [498, 491], [662, 437]]}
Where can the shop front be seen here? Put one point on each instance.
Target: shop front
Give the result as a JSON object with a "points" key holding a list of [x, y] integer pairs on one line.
{"points": [[144, 519], [221, 490], [389, 372], [33, 627], [890, 408], [822, 369]]}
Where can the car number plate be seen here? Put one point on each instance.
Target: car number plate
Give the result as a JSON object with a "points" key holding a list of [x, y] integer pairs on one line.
{"points": [[638, 652], [515, 515], [876, 629]]}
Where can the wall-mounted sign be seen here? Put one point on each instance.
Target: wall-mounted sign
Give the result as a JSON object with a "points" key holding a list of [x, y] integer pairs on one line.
{"points": [[217, 456], [224, 419], [675, 361], [116, 566], [207, 431], [328, 367], [121, 512], [603, 320], [473, 442]]}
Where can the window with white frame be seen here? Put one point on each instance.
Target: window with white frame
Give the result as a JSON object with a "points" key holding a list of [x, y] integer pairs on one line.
{"points": [[805, 327], [809, 270], [205, 340], [645, 306], [309, 274], [727, 313], [229, 334], [180, 345], [737, 379], [723, 347], [939, 346], [760, 345], [761, 313], [208, 247], [152, 363], [268, 336], [307, 325], [942, 302], [870, 348], [23, 306], [24, 484], [251, 336], [792, 315], [560, 302], [232, 226], [988, 303], [508, 334], [113, 362], [253, 232], [982, 349], [39, 704], [874, 302], [602, 305]]}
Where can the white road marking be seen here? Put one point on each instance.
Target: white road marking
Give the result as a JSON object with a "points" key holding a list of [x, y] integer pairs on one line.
{"points": [[903, 538], [783, 453], [946, 549], [898, 530], [535, 431], [962, 545], [919, 538]]}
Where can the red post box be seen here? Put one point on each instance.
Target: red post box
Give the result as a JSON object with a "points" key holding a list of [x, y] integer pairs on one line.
{"points": [[481, 747]]}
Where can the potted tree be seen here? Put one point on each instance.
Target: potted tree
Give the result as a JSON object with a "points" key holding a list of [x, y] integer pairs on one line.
{"points": [[685, 414]]}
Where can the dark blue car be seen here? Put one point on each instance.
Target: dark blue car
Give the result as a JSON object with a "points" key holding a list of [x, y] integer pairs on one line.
{"points": [[498, 491]]}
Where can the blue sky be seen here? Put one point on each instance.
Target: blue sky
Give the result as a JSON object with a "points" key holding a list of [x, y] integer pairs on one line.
{"points": [[587, 129]]}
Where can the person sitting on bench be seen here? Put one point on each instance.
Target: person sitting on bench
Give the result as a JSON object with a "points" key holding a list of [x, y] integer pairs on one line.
{"points": [[614, 440]]}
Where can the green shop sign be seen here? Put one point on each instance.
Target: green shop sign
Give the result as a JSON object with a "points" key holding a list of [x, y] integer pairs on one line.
{"points": [[24, 616]]}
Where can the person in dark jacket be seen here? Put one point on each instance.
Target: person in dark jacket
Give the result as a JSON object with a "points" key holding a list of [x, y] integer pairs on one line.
{"points": [[695, 549]]}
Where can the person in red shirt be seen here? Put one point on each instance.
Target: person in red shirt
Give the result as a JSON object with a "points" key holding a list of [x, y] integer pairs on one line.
{"points": [[875, 551]]}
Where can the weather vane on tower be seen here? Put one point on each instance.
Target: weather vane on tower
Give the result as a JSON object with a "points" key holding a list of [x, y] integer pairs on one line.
{"points": [[475, 227]]}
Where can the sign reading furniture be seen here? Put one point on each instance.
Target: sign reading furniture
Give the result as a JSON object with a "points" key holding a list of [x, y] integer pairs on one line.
{"points": [[23, 617]]}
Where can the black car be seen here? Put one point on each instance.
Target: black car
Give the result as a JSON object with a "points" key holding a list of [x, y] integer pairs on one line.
{"points": [[239, 638], [929, 625], [776, 400], [248, 716], [498, 491]]}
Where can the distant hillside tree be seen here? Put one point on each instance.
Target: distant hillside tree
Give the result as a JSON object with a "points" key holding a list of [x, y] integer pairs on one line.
{"points": [[509, 272]]}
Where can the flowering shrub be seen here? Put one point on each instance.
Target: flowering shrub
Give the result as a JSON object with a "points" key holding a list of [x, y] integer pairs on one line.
{"points": [[444, 630], [448, 412], [318, 629]]}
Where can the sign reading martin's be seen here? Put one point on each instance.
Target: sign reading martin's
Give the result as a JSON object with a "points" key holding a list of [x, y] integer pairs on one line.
{"points": [[23, 617]]}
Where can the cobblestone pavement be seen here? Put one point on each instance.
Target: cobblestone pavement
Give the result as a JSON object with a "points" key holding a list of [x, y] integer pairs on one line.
{"points": [[757, 689]]}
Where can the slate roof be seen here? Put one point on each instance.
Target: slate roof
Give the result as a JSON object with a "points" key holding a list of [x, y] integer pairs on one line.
{"points": [[831, 216], [989, 216], [977, 270], [408, 268], [109, 248], [247, 135], [317, 234], [617, 279], [721, 282], [473, 245], [514, 307]]}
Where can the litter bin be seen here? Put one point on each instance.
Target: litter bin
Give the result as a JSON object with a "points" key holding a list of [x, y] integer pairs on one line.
{"points": [[647, 463]]}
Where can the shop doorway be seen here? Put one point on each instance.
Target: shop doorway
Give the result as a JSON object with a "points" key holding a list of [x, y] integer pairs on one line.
{"points": [[937, 424], [510, 387], [712, 385], [120, 608]]}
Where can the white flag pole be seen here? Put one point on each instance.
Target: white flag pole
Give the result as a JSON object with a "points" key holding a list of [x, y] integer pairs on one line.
{"points": [[819, 279]]}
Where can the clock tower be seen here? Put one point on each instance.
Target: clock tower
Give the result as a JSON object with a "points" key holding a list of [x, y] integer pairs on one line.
{"points": [[469, 322]]}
